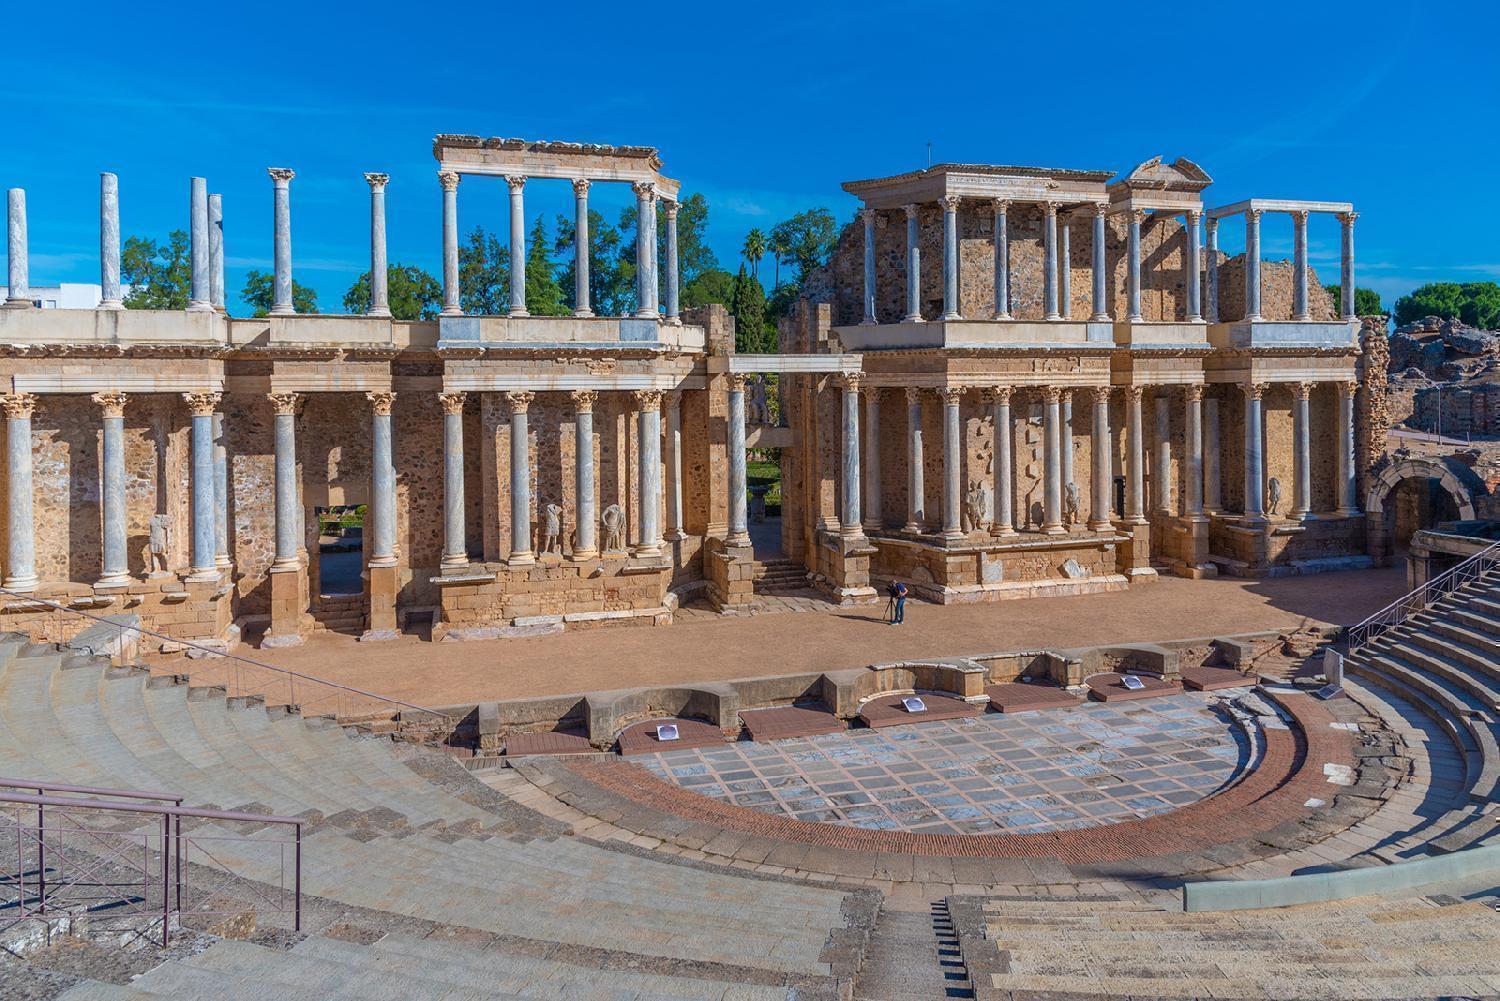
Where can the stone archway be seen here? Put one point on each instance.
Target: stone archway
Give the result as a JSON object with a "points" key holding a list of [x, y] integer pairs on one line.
{"points": [[1378, 504]]}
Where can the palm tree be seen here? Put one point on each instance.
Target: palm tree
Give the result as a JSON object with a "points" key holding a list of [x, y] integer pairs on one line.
{"points": [[754, 250], [778, 248]]}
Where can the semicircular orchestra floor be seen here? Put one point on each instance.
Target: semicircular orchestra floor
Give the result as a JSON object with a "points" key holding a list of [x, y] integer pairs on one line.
{"points": [[996, 773]]}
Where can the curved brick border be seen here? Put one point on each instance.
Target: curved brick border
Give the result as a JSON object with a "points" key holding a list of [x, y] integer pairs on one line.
{"points": [[1290, 772]]}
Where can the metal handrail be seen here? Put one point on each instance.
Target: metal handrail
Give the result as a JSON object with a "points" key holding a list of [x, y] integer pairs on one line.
{"points": [[1421, 597], [292, 676], [45, 787]]}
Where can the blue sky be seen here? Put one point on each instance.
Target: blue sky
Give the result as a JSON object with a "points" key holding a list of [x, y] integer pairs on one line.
{"points": [[765, 108]]}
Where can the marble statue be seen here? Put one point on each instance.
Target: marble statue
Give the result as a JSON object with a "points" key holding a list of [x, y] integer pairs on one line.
{"points": [[614, 528], [552, 535], [156, 545], [974, 509], [1070, 504], [1273, 488], [757, 410]]}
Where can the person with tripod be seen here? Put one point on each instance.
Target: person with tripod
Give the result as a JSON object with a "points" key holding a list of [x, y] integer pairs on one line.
{"points": [[895, 607]]}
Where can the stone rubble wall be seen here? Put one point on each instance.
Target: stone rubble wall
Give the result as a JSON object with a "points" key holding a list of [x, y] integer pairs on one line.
{"points": [[1276, 283]]}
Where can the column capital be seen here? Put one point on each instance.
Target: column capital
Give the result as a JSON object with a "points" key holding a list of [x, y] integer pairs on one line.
{"points": [[1002, 204], [453, 403], [997, 394], [951, 396], [1134, 393], [669, 208], [850, 381], [1050, 394], [283, 404], [377, 182], [201, 404], [1348, 389], [1065, 394], [1253, 390], [515, 182], [1347, 218], [1194, 392], [1253, 215], [113, 404], [448, 179], [1211, 225], [913, 394], [647, 399], [1101, 394], [1299, 216], [949, 203], [282, 176], [583, 400], [1101, 210], [581, 186], [1302, 390], [867, 215], [644, 189], [1136, 216], [911, 210], [381, 403], [1049, 208], [737, 382], [1192, 216], [519, 400]]}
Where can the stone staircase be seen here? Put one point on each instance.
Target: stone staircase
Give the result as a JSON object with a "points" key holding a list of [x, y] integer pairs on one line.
{"points": [[780, 576], [440, 876], [339, 613]]}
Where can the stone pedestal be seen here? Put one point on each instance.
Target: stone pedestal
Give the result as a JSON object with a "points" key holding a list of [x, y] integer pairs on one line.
{"points": [[730, 567], [381, 586], [286, 609]]}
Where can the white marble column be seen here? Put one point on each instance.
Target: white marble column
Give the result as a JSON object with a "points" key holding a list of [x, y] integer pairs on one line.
{"points": [[1065, 268], [870, 495], [455, 542], [1212, 477], [1100, 313], [1192, 459], [1133, 265], [1255, 463], [645, 249], [916, 507], [215, 252], [739, 534], [913, 267], [648, 455], [586, 517], [1191, 266], [1348, 482], [382, 551], [201, 406], [953, 457], [288, 522], [116, 568], [867, 216], [1052, 487], [281, 288], [851, 525], [1004, 486], [1300, 309], [520, 478], [1252, 264], [950, 257], [1135, 457], [1049, 260], [451, 297], [20, 564], [1002, 259], [1162, 474], [1065, 438], [109, 242], [1301, 451], [517, 186], [673, 306], [1346, 265], [380, 302], [198, 295], [672, 404], [221, 494], [1212, 250], [581, 304], [18, 293], [1101, 476]]}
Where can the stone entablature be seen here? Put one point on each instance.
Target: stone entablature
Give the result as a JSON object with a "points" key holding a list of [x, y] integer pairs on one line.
{"points": [[523, 157]]}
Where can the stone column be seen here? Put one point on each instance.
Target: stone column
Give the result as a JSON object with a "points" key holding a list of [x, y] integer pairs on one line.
{"points": [[1133, 266], [215, 252], [673, 307], [19, 292], [739, 534], [221, 495], [1212, 239], [850, 524], [950, 257], [1301, 451], [586, 517], [1101, 267], [1212, 478], [913, 268], [382, 552], [202, 406], [673, 404], [1346, 265], [281, 289], [380, 304], [1002, 259], [288, 531], [916, 508], [517, 186], [1049, 260], [645, 253], [1192, 460], [1005, 489], [1348, 483], [1101, 477], [648, 454], [1252, 264], [1255, 463], [1052, 515], [1065, 438], [1135, 457], [1194, 296], [20, 564], [953, 445], [581, 303], [455, 543], [520, 478], [1300, 310], [1163, 471], [109, 242], [198, 295], [116, 568], [870, 495], [1065, 269], [867, 216], [449, 180]]}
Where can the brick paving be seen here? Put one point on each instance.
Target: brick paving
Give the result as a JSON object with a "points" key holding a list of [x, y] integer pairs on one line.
{"points": [[890, 710], [1019, 697], [790, 721], [641, 738], [1111, 688]]}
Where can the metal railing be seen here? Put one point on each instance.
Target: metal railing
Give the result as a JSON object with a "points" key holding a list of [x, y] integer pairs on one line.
{"points": [[243, 676], [1422, 597], [113, 861]]}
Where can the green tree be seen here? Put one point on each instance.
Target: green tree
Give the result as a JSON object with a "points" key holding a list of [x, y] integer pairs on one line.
{"points": [[611, 292], [160, 277], [716, 285], [754, 250], [544, 296], [259, 293], [694, 255], [483, 274], [1475, 303], [806, 240], [1366, 301], [778, 248], [413, 293], [749, 310]]}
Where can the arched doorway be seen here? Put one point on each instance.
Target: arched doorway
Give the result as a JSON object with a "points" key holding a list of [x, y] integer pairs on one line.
{"points": [[1411, 495]]}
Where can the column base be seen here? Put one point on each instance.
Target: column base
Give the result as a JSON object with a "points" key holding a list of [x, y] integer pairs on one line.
{"points": [[521, 559], [1052, 317], [1054, 530], [1101, 526], [282, 311], [951, 316], [517, 314], [648, 552], [200, 306], [1134, 318], [1001, 316], [119, 578], [15, 303], [454, 564], [647, 314], [1099, 318], [451, 311], [112, 304], [583, 314], [868, 321], [913, 318], [580, 555], [198, 575], [1349, 512], [1004, 531], [379, 314], [737, 539], [676, 535], [27, 583]]}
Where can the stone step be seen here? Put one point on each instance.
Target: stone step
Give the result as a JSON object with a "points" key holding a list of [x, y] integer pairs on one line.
{"points": [[98, 990], [1444, 658]]}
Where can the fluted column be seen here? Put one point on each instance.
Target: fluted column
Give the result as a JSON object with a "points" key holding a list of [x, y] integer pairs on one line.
{"points": [[870, 495], [1192, 460], [455, 543], [1300, 310], [1255, 488], [1135, 457], [215, 252], [1194, 298], [1064, 269], [116, 568], [198, 295], [1346, 265], [1052, 514], [382, 507], [913, 268], [916, 508], [201, 406], [739, 534], [1252, 264], [1101, 477], [449, 180], [517, 186], [645, 249], [673, 308], [672, 403], [1348, 483], [581, 303], [221, 495], [1065, 437], [1004, 486], [520, 477], [18, 294], [1002, 259], [952, 397], [288, 529], [1212, 477], [380, 304], [648, 453], [20, 565], [850, 524], [1100, 312], [1301, 451], [950, 257], [281, 286], [1049, 260], [1162, 475], [867, 216], [109, 242], [1212, 250], [586, 536], [1133, 265]]}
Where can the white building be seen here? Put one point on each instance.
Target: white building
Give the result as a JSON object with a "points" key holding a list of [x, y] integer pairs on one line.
{"points": [[68, 295]]}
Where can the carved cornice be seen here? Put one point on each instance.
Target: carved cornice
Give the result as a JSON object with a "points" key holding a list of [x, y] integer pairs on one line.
{"points": [[519, 400], [377, 182], [448, 179], [201, 404], [18, 405], [453, 403], [381, 402], [283, 404], [113, 404], [281, 175], [584, 400]]}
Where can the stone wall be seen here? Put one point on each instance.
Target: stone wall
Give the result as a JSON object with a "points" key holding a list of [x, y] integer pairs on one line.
{"points": [[1275, 291]]}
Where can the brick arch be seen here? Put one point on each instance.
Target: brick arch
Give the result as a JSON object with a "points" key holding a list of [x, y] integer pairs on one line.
{"points": [[1427, 469]]}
